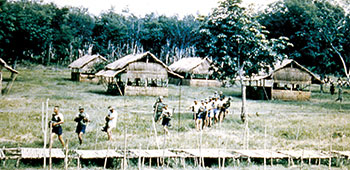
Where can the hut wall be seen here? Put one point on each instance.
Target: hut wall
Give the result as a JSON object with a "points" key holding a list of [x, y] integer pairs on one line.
{"points": [[259, 83], [88, 78], [291, 95], [75, 76], [292, 75], [145, 91], [258, 93], [201, 83], [84, 77], [175, 81]]}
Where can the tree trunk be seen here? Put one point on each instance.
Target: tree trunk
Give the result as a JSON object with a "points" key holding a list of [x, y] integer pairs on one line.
{"points": [[346, 71], [244, 96], [243, 110]]}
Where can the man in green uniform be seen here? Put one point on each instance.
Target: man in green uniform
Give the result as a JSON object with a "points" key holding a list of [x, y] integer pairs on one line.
{"points": [[158, 108]]}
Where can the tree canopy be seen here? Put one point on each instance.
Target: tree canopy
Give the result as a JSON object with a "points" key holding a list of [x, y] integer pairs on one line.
{"points": [[235, 37], [318, 29]]}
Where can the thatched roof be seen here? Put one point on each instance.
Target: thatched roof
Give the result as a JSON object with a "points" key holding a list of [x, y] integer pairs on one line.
{"points": [[4, 64], [84, 60], [193, 65], [121, 64], [283, 64]]}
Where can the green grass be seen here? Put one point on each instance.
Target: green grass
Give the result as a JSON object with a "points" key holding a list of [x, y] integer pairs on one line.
{"points": [[319, 123]]}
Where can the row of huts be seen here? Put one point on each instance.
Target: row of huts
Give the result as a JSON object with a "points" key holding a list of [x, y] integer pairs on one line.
{"points": [[145, 74]]}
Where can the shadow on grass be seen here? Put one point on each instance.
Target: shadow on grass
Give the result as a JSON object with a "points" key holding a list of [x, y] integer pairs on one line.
{"points": [[102, 92]]}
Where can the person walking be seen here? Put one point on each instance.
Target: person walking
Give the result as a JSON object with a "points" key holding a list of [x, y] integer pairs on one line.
{"points": [[56, 122], [166, 117], [158, 108], [82, 118], [340, 94], [111, 122]]}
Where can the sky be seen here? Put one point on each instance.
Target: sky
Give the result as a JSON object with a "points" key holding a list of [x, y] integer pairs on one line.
{"points": [[160, 7]]}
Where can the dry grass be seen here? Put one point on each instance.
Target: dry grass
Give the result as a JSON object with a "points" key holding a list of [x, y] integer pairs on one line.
{"points": [[315, 124]]}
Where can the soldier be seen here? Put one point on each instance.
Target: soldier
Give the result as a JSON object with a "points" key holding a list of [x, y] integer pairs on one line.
{"points": [[200, 116], [158, 108], [216, 108], [111, 122], [210, 112], [221, 95], [221, 110], [56, 121], [166, 117], [194, 108], [332, 88], [340, 94], [225, 106], [82, 119]]}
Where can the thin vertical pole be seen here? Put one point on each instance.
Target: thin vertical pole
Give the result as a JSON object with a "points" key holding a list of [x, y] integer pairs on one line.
{"points": [[66, 156], [44, 130], [125, 140], [105, 163], [139, 161], [179, 115], [50, 158], [265, 148], [330, 151]]}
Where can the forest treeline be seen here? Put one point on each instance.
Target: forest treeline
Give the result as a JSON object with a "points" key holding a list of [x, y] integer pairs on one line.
{"points": [[43, 33]]}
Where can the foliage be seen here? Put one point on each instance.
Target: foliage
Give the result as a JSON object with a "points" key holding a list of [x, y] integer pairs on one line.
{"points": [[312, 26], [239, 42], [44, 33]]}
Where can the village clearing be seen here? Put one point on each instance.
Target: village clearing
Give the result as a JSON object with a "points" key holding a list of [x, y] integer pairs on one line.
{"points": [[318, 124]]}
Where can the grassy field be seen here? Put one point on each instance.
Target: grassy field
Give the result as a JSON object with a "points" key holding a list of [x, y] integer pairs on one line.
{"points": [[320, 123]]}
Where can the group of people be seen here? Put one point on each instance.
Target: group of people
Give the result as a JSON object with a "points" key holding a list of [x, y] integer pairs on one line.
{"points": [[340, 83], [210, 110], [82, 119]]}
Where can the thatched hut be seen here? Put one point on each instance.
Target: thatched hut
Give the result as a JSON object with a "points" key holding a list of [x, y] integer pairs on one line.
{"points": [[84, 68], [195, 71], [14, 74], [137, 74], [287, 81]]}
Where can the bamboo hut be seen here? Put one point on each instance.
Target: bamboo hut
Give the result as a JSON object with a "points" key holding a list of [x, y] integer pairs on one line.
{"points": [[196, 72], [287, 81], [14, 74], [84, 68], [137, 74]]}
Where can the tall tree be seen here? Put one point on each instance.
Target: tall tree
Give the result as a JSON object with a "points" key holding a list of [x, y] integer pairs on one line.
{"points": [[317, 28], [239, 45]]}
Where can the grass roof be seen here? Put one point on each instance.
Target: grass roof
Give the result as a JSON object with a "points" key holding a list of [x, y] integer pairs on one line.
{"points": [[84, 60]]}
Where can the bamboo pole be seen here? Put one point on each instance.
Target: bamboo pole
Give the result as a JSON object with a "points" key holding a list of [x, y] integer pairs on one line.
{"points": [[9, 85], [200, 149], [66, 155], [330, 151], [265, 148], [139, 161], [163, 149], [3, 148], [105, 163], [43, 125], [154, 126], [50, 158], [179, 114]]}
